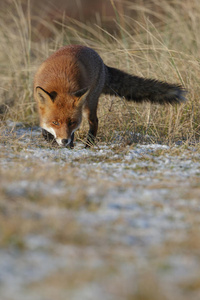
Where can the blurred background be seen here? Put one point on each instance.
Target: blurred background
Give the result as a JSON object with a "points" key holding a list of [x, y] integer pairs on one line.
{"points": [[101, 13]]}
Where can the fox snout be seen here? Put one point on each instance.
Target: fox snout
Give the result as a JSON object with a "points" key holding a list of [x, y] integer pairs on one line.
{"points": [[66, 142], [63, 142], [50, 135]]}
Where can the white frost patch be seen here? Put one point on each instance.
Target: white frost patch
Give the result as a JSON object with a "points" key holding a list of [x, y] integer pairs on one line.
{"points": [[154, 146], [142, 150], [24, 187], [12, 124], [19, 269]]}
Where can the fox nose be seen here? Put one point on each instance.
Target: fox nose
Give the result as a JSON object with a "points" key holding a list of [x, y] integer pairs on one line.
{"points": [[65, 141]]}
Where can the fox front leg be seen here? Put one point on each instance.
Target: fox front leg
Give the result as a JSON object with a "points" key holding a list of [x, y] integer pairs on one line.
{"points": [[93, 127], [71, 145]]}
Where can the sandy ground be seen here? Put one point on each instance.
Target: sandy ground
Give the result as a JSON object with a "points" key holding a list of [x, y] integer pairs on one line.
{"points": [[113, 222]]}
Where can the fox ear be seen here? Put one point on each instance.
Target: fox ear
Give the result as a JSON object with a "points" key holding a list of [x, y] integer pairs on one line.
{"points": [[81, 95], [43, 96]]}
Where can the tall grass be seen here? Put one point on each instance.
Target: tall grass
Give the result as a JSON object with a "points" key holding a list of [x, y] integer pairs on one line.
{"points": [[160, 41]]}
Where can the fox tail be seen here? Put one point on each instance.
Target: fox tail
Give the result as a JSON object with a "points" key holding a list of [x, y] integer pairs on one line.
{"points": [[138, 89]]}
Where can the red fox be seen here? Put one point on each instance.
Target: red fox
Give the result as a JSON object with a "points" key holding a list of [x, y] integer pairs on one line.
{"points": [[71, 80]]}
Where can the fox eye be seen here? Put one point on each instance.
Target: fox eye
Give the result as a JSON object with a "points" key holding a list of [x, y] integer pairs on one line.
{"points": [[56, 123], [71, 123]]}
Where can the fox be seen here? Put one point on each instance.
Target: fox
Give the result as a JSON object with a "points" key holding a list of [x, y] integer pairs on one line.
{"points": [[69, 83]]}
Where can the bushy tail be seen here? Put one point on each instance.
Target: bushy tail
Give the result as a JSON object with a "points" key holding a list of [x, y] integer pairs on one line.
{"points": [[138, 89]]}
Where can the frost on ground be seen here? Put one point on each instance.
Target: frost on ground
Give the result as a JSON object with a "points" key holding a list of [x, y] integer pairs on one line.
{"points": [[113, 222]]}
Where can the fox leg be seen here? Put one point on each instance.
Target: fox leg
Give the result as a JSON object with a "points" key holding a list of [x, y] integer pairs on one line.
{"points": [[71, 145], [93, 126]]}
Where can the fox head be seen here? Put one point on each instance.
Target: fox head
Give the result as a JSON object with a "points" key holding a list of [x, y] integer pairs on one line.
{"points": [[60, 114]]}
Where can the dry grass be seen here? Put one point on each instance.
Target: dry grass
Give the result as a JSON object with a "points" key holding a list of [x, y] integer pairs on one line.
{"points": [[149, 49]]}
